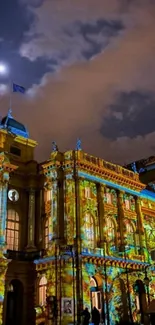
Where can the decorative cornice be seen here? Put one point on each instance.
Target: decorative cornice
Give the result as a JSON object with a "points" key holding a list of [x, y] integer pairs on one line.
{"points": [[94, 166], [5, 165], [111, 176]]}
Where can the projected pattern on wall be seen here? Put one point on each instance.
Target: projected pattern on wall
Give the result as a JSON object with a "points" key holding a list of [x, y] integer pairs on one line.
{"points": [[105, 238]]}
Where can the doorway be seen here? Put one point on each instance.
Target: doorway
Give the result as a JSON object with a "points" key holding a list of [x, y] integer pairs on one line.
{"points": [[141, 303], [14, 303], [96, 295]]}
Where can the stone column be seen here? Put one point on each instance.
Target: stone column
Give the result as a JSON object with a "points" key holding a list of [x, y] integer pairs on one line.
{"points": [[120, 220], [31, 220]]}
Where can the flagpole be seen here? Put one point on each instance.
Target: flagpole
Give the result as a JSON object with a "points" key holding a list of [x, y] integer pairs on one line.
{"points": [[10, 102], [10, 94]]}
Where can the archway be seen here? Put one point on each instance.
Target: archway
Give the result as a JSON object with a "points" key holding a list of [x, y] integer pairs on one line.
{"points": [[14, 303], [96, 294], [141, 303]]}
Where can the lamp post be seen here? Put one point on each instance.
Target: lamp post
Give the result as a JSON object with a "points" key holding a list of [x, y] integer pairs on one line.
{"points": [[128, 287], [106, 287], [147, 282]]}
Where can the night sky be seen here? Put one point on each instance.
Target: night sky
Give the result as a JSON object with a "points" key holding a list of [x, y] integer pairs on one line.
{"points": [[89, 70]]}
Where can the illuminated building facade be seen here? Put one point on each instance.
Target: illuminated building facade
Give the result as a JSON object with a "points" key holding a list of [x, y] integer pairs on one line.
{"points": [[75, 232]]}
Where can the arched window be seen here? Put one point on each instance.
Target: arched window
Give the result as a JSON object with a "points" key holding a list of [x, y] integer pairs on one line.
{"points": [[96, 295], [89, 230], [42, 290], [48, 231], [110, 230], [130, 234], [12, 230]]}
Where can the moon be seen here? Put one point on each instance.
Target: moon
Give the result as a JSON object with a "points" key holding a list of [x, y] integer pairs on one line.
{"points": [[3, 68]]}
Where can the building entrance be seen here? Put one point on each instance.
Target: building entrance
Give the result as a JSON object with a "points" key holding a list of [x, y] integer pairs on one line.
{"points": [[14, 303], [96, 295]]}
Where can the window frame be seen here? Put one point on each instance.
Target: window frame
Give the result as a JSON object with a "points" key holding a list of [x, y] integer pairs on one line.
{"points": [[47, 231], [92, 241], [42, 290], [129, 232], [110, 225], [12, 231], [87, 192]]}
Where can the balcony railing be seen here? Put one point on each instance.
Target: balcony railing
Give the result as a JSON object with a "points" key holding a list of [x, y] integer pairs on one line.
{"points": [[23, 255], [107, 165]]}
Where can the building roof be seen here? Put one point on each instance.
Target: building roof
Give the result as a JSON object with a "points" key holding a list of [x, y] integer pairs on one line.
{"points": [[11, 125]]}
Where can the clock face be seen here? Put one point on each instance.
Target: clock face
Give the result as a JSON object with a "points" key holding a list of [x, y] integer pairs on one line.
{"points": [[13, 195]]}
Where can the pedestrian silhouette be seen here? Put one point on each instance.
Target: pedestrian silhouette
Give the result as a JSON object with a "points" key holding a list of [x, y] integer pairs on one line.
{"points": [[95, 316], [86, 316]]}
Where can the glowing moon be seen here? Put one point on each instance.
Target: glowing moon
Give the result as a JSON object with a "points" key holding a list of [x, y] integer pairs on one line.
{"points": [[3, 68]]}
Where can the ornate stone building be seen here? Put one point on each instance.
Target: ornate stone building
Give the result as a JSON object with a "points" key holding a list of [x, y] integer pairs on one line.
{"points": [[75, 232]]}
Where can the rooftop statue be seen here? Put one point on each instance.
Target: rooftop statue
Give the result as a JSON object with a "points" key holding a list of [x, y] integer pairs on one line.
{"points": [[54, 146], [78, 144]]}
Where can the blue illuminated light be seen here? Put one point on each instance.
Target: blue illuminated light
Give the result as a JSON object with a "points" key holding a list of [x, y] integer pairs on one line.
{"points": [[143, 194], [103, 181]]}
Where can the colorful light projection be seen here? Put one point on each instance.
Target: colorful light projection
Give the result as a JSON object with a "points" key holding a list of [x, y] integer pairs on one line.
{"points": [[69, 206], [50, 198], [118, 291], [103, 213], [3, 269]]}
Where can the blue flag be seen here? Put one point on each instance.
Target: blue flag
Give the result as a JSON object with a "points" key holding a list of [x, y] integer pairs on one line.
{"points": [[18, 89]]}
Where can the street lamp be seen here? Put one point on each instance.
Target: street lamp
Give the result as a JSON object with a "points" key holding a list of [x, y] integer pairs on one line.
{"points": [[147, 282]]}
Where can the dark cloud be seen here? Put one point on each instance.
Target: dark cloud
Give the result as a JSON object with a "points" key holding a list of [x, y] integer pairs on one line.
{"points": [[22, 70], [46, 35], [107, 28], [14, 21], [70, 36], [19, 19], [132, 115], [90, 32]]}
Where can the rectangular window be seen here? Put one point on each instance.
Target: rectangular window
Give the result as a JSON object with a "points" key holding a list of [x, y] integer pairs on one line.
{"points": [[15, 151], [12, 230]]}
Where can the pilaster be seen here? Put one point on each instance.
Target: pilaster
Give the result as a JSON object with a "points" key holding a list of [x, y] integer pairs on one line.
{"points": [[120, 220], [5, 169], [140, 223], [69, 211], [101, 213], [31, 220]]}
